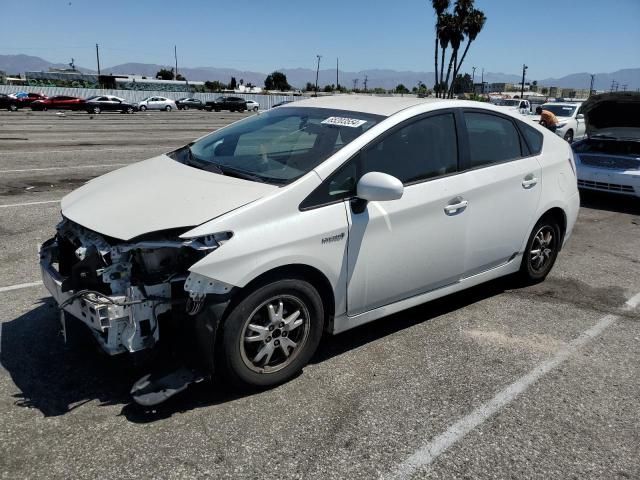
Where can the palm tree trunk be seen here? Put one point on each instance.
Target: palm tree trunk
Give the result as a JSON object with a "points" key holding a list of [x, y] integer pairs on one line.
{"points": [[436, 62], [457, 68], [446, 82], [441, 73]]}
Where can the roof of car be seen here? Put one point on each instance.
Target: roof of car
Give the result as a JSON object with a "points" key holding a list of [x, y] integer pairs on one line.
{"points": [[386, 106]]}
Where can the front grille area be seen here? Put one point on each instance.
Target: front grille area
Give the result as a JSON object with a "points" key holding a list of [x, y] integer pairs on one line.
{"points": [[611, 187], [614, 163]]}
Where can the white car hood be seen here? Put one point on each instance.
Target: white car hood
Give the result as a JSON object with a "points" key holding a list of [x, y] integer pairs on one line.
{"points": [[615, 114], [154, 195]]}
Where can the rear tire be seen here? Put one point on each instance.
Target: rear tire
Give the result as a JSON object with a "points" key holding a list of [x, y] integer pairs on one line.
{"points": [[13, 108], [541, 251], [96, 110], [142, 108], [130, 110], [167, 108], [281, 316]]}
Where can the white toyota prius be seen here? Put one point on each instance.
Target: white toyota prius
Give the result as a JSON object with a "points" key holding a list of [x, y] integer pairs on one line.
{"points": [[318, 216]]}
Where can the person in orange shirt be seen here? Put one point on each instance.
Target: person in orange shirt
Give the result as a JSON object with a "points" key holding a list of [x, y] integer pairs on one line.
{"points": [[547, 119]]}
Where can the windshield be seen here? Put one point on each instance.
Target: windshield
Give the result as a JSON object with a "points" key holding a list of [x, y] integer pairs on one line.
{"points": [[560, 110], [278, 146]]}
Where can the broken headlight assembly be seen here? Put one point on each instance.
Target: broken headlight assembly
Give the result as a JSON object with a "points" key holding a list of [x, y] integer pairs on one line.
{"points": [[122, 289]]}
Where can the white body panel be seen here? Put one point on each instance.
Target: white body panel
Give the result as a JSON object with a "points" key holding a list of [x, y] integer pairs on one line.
{"points": [[402, 248], [154, 195]]}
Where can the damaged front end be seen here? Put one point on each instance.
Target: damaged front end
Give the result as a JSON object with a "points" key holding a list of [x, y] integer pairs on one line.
{"points": [[121, 290]]}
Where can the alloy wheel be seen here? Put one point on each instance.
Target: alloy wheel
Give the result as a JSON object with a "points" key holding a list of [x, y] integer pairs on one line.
{"points": [[542, 248], [274, 334]]}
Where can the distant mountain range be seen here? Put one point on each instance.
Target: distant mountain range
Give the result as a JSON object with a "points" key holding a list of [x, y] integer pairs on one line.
{"points": [[298, 77]]}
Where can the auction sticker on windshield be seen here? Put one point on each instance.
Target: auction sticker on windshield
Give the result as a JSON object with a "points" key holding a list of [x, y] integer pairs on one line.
{"points": [[344, 122]]}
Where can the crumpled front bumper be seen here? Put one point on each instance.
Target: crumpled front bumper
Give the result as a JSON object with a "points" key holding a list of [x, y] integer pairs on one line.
{"points": [[120, 323]]}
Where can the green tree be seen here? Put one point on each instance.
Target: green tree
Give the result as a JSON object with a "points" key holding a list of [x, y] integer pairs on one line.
{"points": [[400, 88], [309, 87], [277, 81], [233, 84], [328, 88], [462, 84], [215, 86], [180, 77], [164, 74]]}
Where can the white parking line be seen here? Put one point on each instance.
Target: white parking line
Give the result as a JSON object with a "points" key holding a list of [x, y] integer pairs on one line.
{"points": [[20, 286], [430, 451], [28, 204], [120, 149], [64, 168]]}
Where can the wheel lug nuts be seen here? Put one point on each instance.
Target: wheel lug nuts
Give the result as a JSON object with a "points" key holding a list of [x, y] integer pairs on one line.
{"points": [[276, 343], [268, 339], [271, 328], [284, 334], [281, 324]]}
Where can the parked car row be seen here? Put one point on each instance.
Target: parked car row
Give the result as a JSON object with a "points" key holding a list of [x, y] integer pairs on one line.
{"points": [[109, 103]]}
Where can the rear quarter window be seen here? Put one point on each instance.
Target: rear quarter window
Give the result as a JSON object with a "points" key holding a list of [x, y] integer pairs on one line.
{"points": [[532, 137]]}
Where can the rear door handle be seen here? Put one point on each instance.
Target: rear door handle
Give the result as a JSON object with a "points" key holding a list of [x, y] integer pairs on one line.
{"points": [[457, 205], [529, 181]]}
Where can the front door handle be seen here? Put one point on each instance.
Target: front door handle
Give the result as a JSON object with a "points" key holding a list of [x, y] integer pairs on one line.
{"points": [[529, 181], [457, 205]]}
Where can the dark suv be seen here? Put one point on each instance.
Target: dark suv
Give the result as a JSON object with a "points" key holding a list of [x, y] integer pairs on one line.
{"points": [[233, 104]]}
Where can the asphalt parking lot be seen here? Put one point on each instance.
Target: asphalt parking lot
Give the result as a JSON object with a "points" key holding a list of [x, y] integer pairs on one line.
{"points": [[496, 382]]}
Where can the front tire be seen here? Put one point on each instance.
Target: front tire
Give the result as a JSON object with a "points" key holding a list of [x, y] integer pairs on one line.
{"points": [[96, 110], [13, 108], [271, 334], [167, 108], [569, 136], [142, 108], [541, 251]]}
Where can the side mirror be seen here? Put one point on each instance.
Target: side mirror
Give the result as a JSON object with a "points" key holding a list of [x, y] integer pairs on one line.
{"points": [[580, 116], [379, 187]]}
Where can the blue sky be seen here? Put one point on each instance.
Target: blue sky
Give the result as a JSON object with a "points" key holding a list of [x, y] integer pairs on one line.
{"points": [[553, 38]]}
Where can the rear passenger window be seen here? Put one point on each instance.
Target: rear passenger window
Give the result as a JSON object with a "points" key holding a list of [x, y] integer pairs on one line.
{"points": [[423, 149], [492, 139], [532, 137]]}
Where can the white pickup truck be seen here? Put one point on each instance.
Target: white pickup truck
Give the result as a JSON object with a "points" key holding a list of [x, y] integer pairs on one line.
{"points": [[519, 105]]}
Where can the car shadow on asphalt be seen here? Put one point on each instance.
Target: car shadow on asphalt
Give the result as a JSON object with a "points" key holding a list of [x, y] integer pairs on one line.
{"points": [[610, 202], [57, 378]]}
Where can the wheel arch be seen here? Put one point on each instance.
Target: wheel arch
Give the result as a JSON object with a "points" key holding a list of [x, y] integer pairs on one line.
{"points": [[560, 216], [304, 272]]}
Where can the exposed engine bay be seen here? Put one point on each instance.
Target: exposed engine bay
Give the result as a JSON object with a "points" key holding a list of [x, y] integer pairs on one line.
{"points": [[122, 289]]}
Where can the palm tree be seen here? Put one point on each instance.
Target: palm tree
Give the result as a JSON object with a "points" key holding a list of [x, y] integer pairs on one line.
{"points": [[455, 38], [440, 6], [473, 25]]}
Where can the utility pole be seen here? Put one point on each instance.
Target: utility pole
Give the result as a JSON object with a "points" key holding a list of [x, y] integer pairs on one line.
{"points": [[337, 79], [524, 69], [175, 55], [624, 87], [482, 80], [366, 79], [591, 86], [473, 75], [98, 57], [317, 73], [355, 83]]}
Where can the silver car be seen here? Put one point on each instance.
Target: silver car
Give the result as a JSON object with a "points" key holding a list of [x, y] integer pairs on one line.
{"points": [[157, 103]]}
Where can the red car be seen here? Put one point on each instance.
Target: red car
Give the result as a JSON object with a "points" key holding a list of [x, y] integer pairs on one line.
{"points": [[59, 102], [25, 101]]}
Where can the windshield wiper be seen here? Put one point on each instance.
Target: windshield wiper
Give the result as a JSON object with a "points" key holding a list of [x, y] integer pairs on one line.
{"points": [[234, 172]]}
